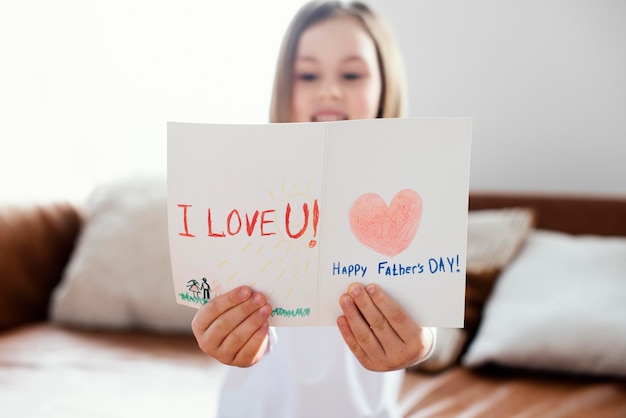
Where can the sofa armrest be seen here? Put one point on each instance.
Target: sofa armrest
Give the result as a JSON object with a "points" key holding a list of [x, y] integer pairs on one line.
{"points": [[36, 242], [576, 214]]}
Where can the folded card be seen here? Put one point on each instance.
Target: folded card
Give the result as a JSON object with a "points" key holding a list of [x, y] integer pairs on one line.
{"points": [[299, 211]]}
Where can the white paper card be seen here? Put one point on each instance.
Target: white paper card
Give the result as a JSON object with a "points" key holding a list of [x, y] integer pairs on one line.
{"points": [[300, 211]]}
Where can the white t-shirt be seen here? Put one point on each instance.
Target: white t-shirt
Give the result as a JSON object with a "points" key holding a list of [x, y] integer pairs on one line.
{"points": [[309, 372]]}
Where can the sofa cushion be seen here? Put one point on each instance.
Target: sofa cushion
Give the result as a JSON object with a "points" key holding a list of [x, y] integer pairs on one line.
{"points": [[55, 372], [120, 275], [35, 243], [504, 393], [560, 306]]}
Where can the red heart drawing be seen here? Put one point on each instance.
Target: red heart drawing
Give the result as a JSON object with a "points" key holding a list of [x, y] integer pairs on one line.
{"points": [[388, 230]]}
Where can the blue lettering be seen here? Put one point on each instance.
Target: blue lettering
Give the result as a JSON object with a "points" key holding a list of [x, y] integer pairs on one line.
{"points": [[336, 268], [398, 269], [349, 270], [436, 265], [450, 263]]}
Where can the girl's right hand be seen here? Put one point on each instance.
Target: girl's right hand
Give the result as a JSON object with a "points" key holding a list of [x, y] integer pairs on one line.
{"points": [[233, 327]]}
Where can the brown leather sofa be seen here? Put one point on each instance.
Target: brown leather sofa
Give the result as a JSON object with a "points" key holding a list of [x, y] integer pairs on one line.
{"points": [[47, 370]]}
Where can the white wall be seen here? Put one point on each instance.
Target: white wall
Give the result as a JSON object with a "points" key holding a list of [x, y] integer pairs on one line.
{"points": [[544, 80], [86, 87]]}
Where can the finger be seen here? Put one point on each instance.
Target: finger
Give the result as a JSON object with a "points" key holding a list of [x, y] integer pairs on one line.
{"points": [[241, 334], [376, 320], [232, 318], [397, 318], [216, 307], [360, 329], [254, 348], [352, 343], [211, 339], [409, 333]]}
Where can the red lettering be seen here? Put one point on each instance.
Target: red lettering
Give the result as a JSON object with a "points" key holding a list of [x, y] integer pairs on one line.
{"points": [[250, 225], [305, 209], [263, 222], [228, 222], [234, 222], [186, 233], [211, 233], [316, 217]]}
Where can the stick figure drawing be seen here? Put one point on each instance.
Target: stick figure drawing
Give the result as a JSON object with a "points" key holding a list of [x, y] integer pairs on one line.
{"points": [[206, 289], [194, 287]]}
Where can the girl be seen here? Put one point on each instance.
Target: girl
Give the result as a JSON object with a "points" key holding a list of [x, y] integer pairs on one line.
{"points": [[337, 61]]}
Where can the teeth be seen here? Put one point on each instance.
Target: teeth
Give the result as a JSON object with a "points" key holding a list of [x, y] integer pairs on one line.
{"points": [[328, 118]]}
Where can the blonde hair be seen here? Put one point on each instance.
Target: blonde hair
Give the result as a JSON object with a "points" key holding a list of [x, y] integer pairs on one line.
{"points": [[393, 102]]}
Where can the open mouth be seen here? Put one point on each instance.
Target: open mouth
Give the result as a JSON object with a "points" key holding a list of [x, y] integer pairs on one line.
{"points": [[328, 117]]}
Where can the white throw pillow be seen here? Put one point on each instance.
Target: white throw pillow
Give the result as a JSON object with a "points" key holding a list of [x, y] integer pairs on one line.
{"points": [[494, 237], [559, 306], [120, 276]]}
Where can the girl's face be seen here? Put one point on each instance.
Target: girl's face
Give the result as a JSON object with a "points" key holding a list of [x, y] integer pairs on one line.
{"points": [[336, 74]]}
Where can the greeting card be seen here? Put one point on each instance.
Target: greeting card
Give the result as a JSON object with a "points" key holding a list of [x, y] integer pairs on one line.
{"points": [[300, 211]]}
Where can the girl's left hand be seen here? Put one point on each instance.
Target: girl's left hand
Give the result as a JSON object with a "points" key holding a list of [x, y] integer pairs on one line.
{"points": [[378, 331]]}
